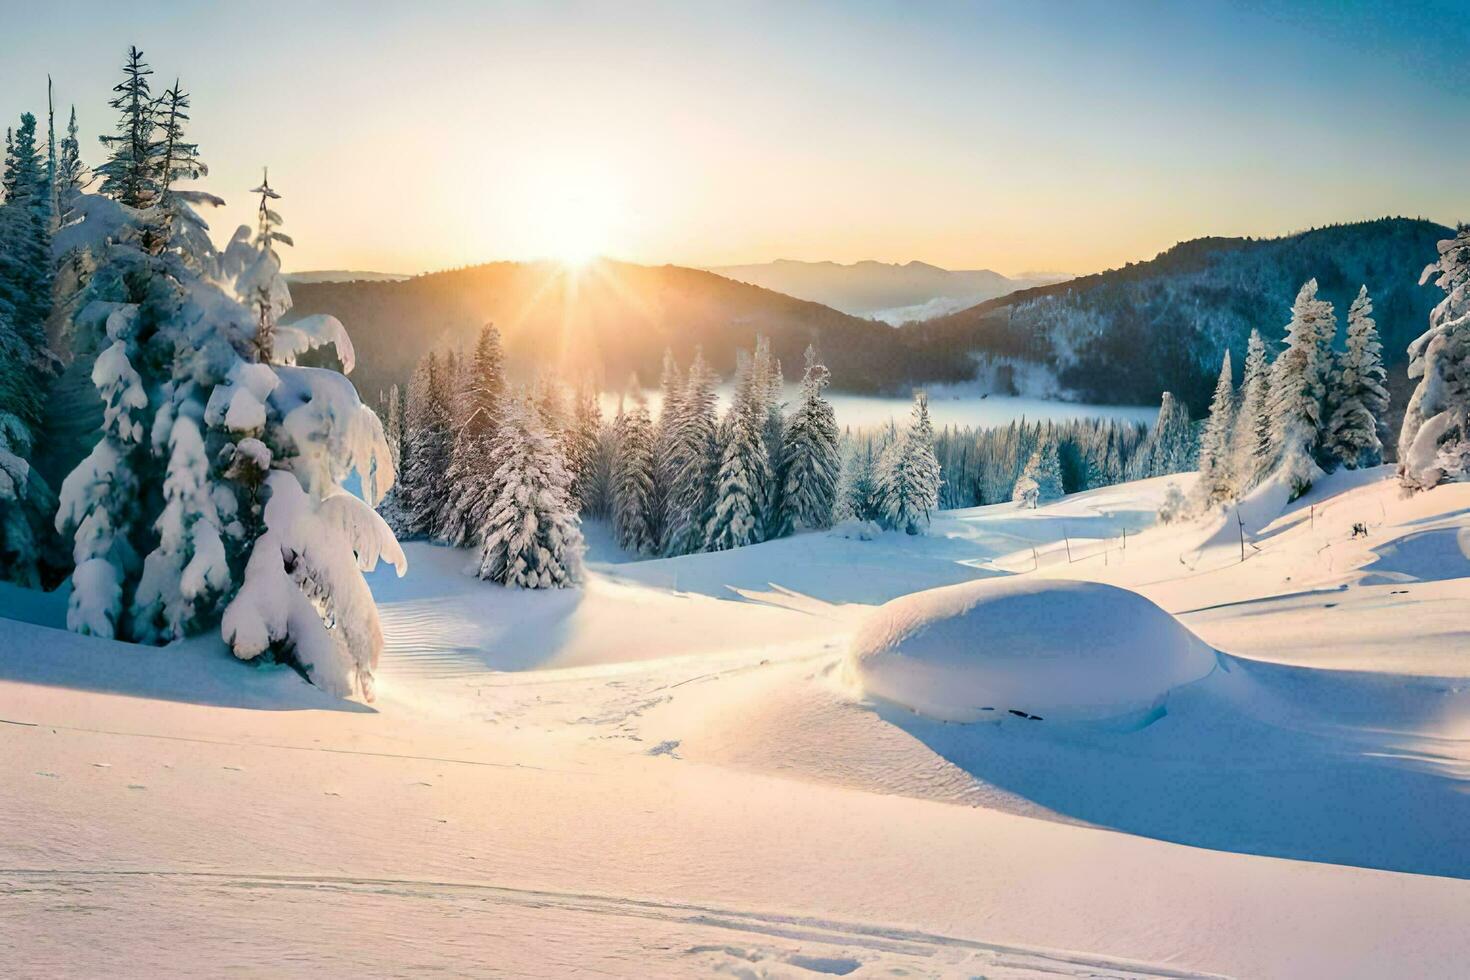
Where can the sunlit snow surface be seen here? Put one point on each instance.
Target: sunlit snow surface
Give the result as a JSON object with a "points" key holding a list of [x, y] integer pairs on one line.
{"points": [[672, 773]]}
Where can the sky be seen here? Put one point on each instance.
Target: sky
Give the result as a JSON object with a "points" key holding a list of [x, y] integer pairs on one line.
{"points": [[1032, 136]]}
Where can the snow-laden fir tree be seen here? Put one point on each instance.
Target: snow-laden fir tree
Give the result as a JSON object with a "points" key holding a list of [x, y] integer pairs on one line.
{"points": [[214, 495], [633, 478], [910, 473], [813, 462], [529, 535], [671, 390], [1251, 438], [1355, 428], [26, 365], [1041, 481], [585, 462], [428, 451], [393, 423], [769, 385], [736, 517], [694, 459], [1169, 446], [71, 173], [1298, 390], [859, 493], [466, 488], [1217, 479], [1434, 443]]}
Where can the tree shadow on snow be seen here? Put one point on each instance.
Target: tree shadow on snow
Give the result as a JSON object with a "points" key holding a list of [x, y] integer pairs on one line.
{"points": [[198, 671]]}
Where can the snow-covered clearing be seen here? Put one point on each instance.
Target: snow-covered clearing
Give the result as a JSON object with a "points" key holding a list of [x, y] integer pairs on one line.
{"points": [[673, 771]]}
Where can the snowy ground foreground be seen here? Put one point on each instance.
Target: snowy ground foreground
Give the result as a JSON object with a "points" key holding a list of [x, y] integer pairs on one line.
{"points": [[670, 774]]}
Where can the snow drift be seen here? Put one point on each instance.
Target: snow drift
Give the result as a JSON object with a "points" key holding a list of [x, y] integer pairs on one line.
{"points": [[1049, 650]]}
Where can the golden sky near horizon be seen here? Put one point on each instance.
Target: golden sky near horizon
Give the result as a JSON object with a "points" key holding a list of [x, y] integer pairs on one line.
{"points": [[1069, 137]]}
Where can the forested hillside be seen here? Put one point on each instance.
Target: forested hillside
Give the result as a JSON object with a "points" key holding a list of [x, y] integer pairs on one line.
{"points": [[1125, 335], [607, 320]]}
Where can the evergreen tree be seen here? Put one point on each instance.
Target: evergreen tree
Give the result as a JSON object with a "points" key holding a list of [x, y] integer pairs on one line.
{"points": [[585, 460], [694, 459], [771, 407], [736, 516], [1041, 481], [1354, 430], [812, 461], [71, 173], [467, 486], [1251, 442], [910, 473], [131, 175], [1297, 390], [393, 425], [1216, 482], [529, 533], [427, 449], [25, 362], [633, 479], [1434, 443]]}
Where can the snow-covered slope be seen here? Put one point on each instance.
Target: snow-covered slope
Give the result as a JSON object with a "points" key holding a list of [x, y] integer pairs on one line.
{"points": [[671, 772]]}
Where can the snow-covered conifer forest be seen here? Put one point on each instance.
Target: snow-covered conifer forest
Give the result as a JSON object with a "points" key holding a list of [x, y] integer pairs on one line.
{"points": [[628, 649]]}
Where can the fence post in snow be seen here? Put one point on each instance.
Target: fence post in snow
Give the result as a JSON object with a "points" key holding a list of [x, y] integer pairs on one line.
{"points": [[1242, 533]]}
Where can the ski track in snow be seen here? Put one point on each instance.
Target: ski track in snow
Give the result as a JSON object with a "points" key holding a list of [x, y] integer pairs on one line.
{"points": [[765, 940]]}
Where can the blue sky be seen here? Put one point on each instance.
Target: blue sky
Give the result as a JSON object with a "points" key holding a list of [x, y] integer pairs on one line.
{"points": [[1070, 136]]}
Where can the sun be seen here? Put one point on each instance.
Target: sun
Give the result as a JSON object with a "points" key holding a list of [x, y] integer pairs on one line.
{"points": [[580, 215]]}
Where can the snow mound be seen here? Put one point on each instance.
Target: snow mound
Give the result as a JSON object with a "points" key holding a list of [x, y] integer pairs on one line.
{"points": [[1038, 649]]}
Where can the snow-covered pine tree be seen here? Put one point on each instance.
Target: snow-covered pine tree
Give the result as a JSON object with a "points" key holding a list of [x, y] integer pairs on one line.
{"points": [[1434, 443], [585, 461], [736, 517], [1355, 428], [859, 495], [694, 459], [1217, 481], [529, 535], [670, 413], [393, 424], [71, 173], [1297, 390], [910, 473], [222, 469], [294, 434], [769, 395], [1251, 439], [1041, 480], [467, 486], [25, 362], [633, 479], [812, 458], [428, 450], [1169, 446]]}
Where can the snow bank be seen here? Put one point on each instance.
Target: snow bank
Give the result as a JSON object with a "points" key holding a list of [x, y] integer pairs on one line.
{"points": [[1051, 650]]}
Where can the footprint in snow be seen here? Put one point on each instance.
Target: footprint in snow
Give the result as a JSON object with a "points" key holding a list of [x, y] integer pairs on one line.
{"points": [[48, 775], [233, 768], [101, 765], [666, 748], [136, 786]]}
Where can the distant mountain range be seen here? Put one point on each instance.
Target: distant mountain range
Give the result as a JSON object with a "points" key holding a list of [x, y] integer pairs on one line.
{"points": [[343, 275], [880, 290], [1117, 337], [1124, 335]]}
